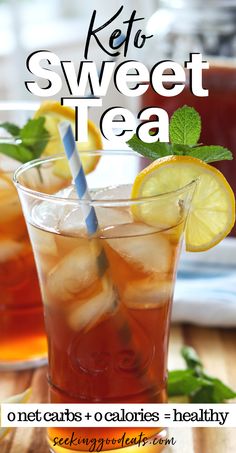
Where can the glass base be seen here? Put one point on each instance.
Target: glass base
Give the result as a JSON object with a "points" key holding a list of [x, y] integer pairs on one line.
{"points": [[23, 365], [155, 444]]}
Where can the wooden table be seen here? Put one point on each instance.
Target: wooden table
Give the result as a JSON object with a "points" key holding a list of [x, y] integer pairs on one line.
{"points": [[217, 349]]}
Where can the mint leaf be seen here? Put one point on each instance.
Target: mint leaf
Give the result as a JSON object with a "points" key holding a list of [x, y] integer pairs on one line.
{"points": [[221, 392], [175, 375], [32, 139], [150, 150], [193, 383], [214, 392], [212, 153], [191, 358], [203, 395], [35, 136], [185, 126], [11, 128], [184, 382], [18, 152]]}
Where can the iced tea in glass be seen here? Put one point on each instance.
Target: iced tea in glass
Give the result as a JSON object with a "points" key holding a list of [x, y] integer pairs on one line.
{"points": [[23, 341], [107, 334], [22, 335]]}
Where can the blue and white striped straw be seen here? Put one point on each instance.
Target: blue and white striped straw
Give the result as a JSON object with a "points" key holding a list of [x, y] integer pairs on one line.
{"points": [[81, 186], [78, 176]]}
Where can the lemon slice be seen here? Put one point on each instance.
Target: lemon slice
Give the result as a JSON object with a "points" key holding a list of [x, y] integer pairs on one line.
{"points": [[54, 113], [212, 213], [15, 399]]}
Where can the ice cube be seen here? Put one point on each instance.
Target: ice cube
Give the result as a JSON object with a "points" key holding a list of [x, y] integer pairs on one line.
{"points": [[75, 272], [108, 217], [140, 245], [45, 248], [147, 293], [45, 215], [43, 242], [66, 244], [106, 193], [121, 192], [86, 313], [74, 224], [74, 221], [48, 214], [10, 250], [69, 218]]}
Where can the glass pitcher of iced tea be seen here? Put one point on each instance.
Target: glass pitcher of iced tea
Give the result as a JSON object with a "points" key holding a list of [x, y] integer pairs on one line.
{"points": [[208, 27]]}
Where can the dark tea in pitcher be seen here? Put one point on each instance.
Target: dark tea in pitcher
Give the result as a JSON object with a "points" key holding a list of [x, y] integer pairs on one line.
{"points": [[218, 111]]}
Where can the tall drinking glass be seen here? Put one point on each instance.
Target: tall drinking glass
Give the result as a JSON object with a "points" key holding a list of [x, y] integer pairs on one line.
{"points": [[22, 334], [105, 345]]}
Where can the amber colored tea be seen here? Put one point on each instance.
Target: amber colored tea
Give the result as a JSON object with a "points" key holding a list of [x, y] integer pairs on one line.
{"points": [[22, 335], [105, 346], [23, 341]]}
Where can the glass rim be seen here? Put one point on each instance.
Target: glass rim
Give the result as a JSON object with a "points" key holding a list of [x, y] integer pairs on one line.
{"points": [[93, 202]]}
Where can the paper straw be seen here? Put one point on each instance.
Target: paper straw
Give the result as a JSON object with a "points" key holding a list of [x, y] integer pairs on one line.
{"points": [[81, 186], [78, 176]]}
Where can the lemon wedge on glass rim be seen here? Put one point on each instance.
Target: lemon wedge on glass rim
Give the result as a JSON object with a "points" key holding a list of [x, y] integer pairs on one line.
{"points": [[15, 399], [212, 212], [54, 113]]}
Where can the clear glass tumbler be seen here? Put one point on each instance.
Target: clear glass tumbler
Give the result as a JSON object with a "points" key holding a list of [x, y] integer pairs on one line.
{"points": [[23, 341], [107, 331]]}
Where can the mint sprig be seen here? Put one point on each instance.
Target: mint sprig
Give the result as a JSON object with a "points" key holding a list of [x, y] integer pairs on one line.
{"points": [[185, 131], [194, 383], [30, 140]]}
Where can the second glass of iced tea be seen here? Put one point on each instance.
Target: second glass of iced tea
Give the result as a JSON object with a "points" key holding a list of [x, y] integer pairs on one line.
{"points": [[22, 334], [107, 335]]}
